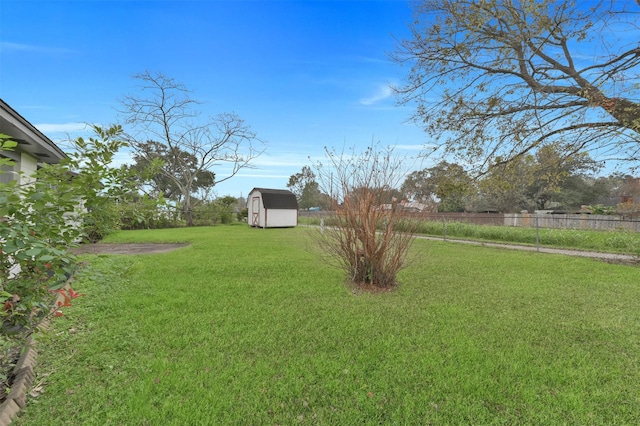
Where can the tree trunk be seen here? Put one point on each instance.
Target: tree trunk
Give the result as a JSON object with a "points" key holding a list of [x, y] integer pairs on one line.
{"points": [[187, 211]]}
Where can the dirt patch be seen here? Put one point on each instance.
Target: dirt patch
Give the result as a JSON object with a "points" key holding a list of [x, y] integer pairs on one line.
{"points": [[125, 248]]}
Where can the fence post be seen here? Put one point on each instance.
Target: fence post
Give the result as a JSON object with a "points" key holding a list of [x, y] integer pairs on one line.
{"points": [[444, 228], [537, 234]]}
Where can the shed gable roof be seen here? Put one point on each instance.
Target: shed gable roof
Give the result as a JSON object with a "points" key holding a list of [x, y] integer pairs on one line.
{"points": [[277, 198]]}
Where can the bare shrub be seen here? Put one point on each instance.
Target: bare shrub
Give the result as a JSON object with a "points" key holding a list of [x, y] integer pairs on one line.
{"points": [[364, 237]]}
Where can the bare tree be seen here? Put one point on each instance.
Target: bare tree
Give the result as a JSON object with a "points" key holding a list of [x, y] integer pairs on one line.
{"points": [[500, 78], [164, 112], [368, 237]]}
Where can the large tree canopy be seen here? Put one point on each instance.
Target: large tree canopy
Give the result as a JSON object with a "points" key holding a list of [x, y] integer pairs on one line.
{"points": [[534, 181], [177, 164], [500, 78], [447, 182], [191, 148]]}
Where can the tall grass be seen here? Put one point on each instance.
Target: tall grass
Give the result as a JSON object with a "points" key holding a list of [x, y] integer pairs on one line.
{"points": [[618, 241], [250, 326]]}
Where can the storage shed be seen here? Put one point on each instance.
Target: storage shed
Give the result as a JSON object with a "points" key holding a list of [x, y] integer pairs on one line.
{"points": [[272, 208]]}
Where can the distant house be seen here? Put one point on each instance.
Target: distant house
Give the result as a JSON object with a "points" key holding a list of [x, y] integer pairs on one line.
{"points": [[33, 149], [272, 208], [411, 207], [416, 207]]}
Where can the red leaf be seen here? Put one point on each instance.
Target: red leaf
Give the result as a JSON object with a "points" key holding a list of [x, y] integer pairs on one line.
{"points": [[73, 294]]}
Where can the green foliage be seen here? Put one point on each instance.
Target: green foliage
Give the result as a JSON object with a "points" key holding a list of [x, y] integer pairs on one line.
{"points": [[46, 214], [145, 212], [170, 166], [218, 211], [225, 207], [600, 209], [243, 215], [109, 194], [102, 221], [307, 190], [38, 223], [447, 182], [552, 175], [579, 190], [6, 144]]}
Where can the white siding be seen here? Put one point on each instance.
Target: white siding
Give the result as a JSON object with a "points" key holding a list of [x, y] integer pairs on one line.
{"points": [[281, 218], [28, 166]]}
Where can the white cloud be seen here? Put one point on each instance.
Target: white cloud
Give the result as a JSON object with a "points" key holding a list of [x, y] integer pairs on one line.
{"points": [[122, 157], [383, 92], [261, 176], [286, 159], [6, 46], [61, 127], [372, 60]]}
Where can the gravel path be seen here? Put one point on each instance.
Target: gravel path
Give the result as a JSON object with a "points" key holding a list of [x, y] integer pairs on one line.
{"points": [[610, 257]]}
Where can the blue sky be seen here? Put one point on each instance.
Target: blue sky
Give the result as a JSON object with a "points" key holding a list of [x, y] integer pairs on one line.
{"points": [[302, 74]]}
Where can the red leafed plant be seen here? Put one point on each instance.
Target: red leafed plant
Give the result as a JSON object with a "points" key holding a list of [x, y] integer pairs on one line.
{"points": [[66, 294]]}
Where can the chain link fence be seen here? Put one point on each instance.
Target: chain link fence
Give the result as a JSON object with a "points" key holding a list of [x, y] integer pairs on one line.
{"points": [[529, 220]]}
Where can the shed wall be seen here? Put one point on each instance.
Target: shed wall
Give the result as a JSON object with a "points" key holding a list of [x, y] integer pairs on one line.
{"points": [[281, 218]]}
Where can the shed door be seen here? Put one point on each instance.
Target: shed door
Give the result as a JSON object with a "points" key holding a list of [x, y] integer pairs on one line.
{"points": [[255, 211]]}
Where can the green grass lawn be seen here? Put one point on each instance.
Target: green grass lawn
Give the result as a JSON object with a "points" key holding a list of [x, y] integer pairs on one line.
{"points": [[249, 326]]}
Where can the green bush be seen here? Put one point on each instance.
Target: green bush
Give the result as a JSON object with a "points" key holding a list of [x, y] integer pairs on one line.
{"points": [[147, 213], [103, 219], [242, 215], [59, 206]]}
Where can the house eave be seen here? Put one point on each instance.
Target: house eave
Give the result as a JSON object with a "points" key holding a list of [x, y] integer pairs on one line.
{"points": [[29, 138]]}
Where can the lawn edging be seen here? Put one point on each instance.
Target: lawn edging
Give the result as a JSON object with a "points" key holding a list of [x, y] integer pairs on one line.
{"points": [[24, 375], [23, 372]]}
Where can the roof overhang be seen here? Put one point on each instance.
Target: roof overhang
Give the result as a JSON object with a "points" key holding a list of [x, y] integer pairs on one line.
{"points": [[30, 139]]}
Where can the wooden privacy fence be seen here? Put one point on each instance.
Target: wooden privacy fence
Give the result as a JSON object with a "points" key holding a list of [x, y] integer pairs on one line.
{"points": [[573, 221], [539, 220]]}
